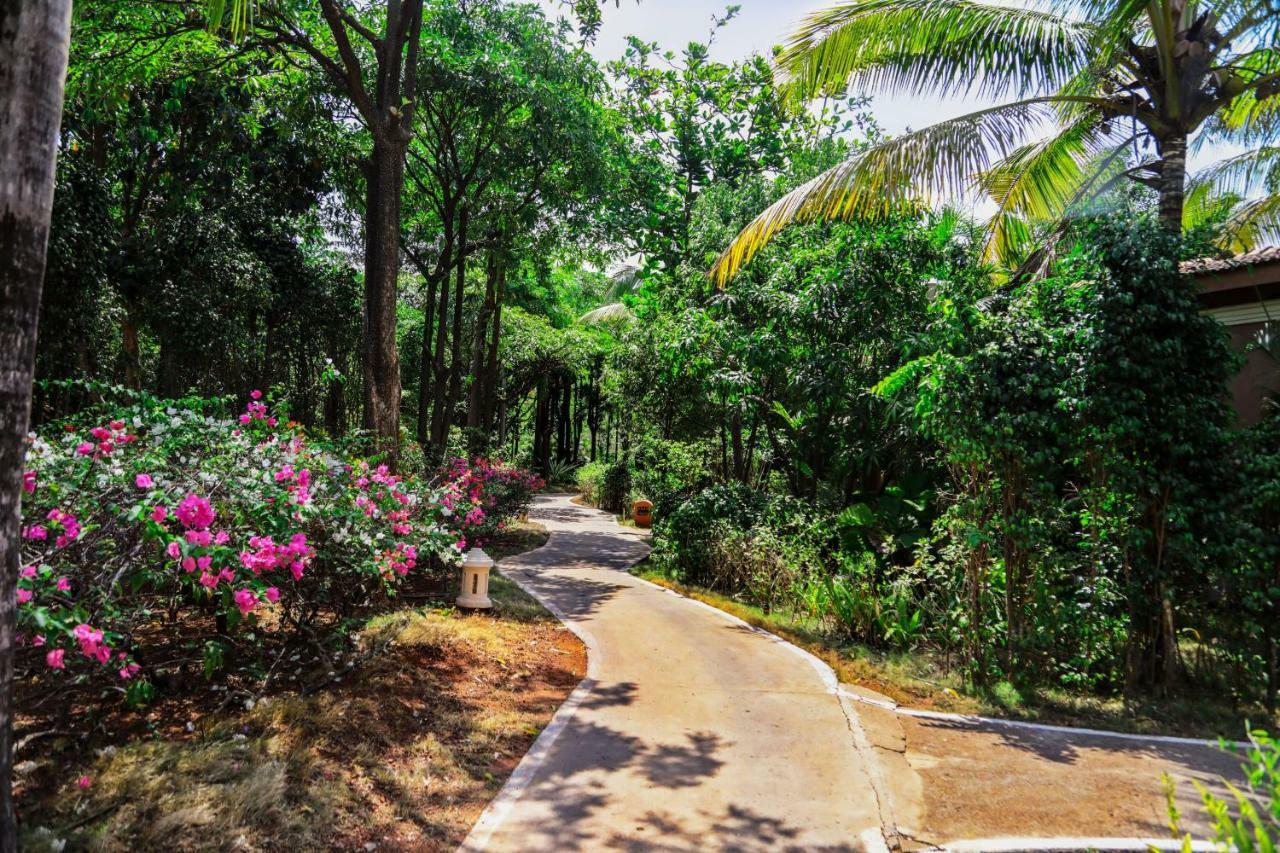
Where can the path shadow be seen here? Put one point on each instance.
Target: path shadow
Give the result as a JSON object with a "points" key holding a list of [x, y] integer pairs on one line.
{"points": [[619, 694], [576, 598], [1070, 747], [683, 766]]}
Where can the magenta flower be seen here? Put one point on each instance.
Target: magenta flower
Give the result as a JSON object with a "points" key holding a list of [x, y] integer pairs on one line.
{"points": [[84, 448], [35, 531], [195, 511], [189, 564], [24, 595], [246, 601], [143, 481], [159, 514], [28, 572], [255, 394], [272, 594], [207, 580], [129, 671], [29, 482], [174, 550], [37, 640], [63, 585], [84, 782], [54, 659]]}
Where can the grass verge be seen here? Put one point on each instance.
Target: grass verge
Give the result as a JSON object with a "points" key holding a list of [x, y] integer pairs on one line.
{"points": [[403, 752], [920, 680]]}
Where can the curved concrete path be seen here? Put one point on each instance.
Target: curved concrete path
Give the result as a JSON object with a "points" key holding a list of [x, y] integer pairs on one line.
{"points": [[691, 731]]}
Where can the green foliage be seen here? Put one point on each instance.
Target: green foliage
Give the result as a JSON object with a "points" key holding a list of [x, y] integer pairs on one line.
{"points": [[615, 487], [1250, 821], [591, 481]]}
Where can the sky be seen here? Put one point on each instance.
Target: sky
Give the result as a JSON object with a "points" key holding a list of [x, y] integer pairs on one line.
{"points": [[758, 27]]}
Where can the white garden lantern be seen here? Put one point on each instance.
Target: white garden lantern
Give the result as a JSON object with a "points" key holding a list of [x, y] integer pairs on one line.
{"points": [[475, 580]]}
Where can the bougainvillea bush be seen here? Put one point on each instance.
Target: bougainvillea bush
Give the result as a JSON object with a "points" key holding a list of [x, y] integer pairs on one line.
{"points": [[160, 512], [481, 495]]}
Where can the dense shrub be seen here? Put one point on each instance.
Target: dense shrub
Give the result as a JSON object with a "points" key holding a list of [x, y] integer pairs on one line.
{"points": [[481, 495], [688, 541], [591, 481], [162, 508], [615, 489]]}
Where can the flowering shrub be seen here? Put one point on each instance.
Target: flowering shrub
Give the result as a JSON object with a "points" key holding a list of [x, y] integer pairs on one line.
{"points": [[481, 495], [165, 509]]}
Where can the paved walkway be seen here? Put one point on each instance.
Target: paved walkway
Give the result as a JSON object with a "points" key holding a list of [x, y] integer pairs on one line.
{"points": [[691, 731], [694, 731]]}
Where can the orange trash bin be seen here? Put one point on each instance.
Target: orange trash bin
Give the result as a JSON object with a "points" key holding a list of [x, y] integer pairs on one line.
{"points": [[642, 513]]}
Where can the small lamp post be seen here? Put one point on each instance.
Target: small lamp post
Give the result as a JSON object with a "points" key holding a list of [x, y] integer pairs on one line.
{"points": [[475, 580]]}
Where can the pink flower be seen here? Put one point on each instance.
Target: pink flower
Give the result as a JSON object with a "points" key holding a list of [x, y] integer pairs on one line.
{"points": [[37, 640], [221, 537], [100, 433], [246, 601], [35, 531], [84, 782], [189, 564], [63, 585], [29, 482], [208, 580], [255, 394], [129, 671], [117, 425], [174, 549], [84, 448], [272, 594], [159, 514], [143, 481], [24, 595], [203, 563], [54, 659], [195, 511], [28, 572]]}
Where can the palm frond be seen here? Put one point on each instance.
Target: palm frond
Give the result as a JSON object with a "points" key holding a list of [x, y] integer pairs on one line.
{"points": [[937, 161], [1253, 116], [1253, 224], [613, 313], [946, 47], [1039, 181], [1246, 173]]}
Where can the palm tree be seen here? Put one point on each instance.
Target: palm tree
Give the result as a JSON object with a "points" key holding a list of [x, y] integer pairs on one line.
{"points": [[1096, 93]]}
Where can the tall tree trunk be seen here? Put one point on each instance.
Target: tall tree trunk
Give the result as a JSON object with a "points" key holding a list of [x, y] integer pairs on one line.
{"points": [[451, 380], [1173, 180], [477, 439], [425, 375], [493, 368], [34, 39], [385, 182]]}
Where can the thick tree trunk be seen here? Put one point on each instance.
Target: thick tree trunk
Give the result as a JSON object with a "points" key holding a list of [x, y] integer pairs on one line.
{"points": [[34, 36], [1173, 179], [381, 273]]}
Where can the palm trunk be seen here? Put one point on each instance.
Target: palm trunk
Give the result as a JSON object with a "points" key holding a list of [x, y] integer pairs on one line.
{"points": [[34, 39], [381, 271], [1173, 180]]}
